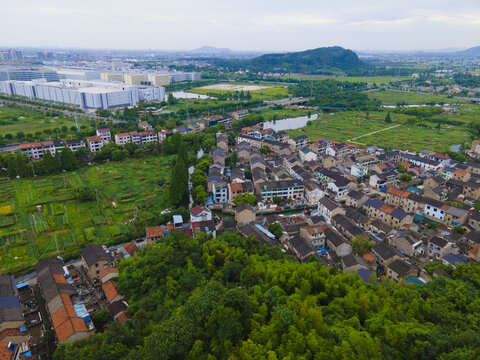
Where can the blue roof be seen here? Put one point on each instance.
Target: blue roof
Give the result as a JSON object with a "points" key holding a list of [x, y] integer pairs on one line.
{"points": [[399, 214], [9, 302], [23, 284], [374, 203], [455, 259], [265, 231], [365, 274]]}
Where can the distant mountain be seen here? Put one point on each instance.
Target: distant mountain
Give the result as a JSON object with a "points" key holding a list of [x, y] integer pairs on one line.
{"points": [[474, 51], [321, 60], [211, 50]]}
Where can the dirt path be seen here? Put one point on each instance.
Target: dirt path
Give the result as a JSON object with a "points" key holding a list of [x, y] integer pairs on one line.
{"points": [[373, 132]]}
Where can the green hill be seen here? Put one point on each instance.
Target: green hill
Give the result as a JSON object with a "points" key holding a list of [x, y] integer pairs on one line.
{"points": [[317, 61]]}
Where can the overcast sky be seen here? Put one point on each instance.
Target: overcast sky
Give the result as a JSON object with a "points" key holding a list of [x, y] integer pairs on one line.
{"points": [[241, 24]]}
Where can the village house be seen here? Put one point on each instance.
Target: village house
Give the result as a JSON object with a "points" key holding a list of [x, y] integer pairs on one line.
{"points": [[144, 125], [307, 155], [474, 220], [239, 188], [74, 145], [153, 234], [355, 198], [352, 263], [95, 258], [300, 248], [329, 208], [313, 192], [314, 234], [206, 227], [346, 226], [286, 189], [438, 247], [396, 197], [200, 213], [105, 135], [11, 316], [400, 270], [455, 216], [409, 242], [58, 290], [337, 243], [385, 254], [244, 214], [394, 217]]}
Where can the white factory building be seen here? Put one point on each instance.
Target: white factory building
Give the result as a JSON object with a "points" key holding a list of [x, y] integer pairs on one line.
{"points": [[84, 93]]}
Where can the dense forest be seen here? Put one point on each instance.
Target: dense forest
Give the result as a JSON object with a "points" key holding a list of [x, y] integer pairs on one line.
{"points": [[232, 298], [326, 60]]}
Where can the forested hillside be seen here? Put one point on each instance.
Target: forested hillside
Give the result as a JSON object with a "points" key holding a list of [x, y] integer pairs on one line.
{"points": [[325, 60], [232, 298]]}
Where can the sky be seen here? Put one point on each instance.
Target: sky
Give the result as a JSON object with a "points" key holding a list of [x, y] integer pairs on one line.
{"points": [[264, 25]]}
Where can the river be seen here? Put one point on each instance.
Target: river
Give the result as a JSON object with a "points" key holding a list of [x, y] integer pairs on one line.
{"points": [[289, 123]]}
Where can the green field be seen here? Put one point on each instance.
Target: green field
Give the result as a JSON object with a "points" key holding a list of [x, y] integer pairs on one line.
{"points": [[273, 93], [345, 126], [39, 216], [28, 120], [390, 97]]}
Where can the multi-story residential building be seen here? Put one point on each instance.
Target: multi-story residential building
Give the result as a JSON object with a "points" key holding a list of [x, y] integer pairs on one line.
{"points": [[329, 208], [423, 162], [435, 209], [396, 197], [148, 136], [438, 247], [238, 188], [105, 134], [337, 242], [144, 125], [164, 134], [474, 220], [315, 235], [455, 216], [392, 216], [36, 151], [400, 270], [135, 137], [313, 192], [289, 189], [95, 258], [220, 191], [95, 143], [122, 138], [74, 145]]}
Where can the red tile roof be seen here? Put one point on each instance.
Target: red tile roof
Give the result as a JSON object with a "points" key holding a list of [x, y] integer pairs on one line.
{"points": [[197, 210], [94, 138], [154, 231], [110, 290], [398, 192], [108, 270], [131, 248]]}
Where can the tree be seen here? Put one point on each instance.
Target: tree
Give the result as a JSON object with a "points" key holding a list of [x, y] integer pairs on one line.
{"points": [[119, 155], [178, 189], [361, 244], [245, 198], [277, 200], [199, 195], [276, 229], [82, 154], [50, 164], [432, 225], [406, 177], [233, 160], [171, 99], [101, 319], [264, 150], [388, 119], [68, 159]]}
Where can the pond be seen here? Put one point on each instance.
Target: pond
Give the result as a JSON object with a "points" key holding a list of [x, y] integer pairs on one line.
{"points": [[289, 123]]}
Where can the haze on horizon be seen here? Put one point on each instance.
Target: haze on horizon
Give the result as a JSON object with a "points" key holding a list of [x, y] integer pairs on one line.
{"points": [[268, 25]]}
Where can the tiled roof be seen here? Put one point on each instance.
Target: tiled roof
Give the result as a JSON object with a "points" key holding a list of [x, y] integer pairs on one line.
{"points": [[397, 192], [108, 270], [154, 231], [110, 290], [131, 248]]}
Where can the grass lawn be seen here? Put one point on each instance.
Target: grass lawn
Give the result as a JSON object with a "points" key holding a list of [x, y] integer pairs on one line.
{"points": [[273, 93], [390, 97], [28, 120], [344, 126], [40, 215]]}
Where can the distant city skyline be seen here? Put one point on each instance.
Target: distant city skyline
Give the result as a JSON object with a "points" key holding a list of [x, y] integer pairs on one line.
{"points": [[247, 26]]}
